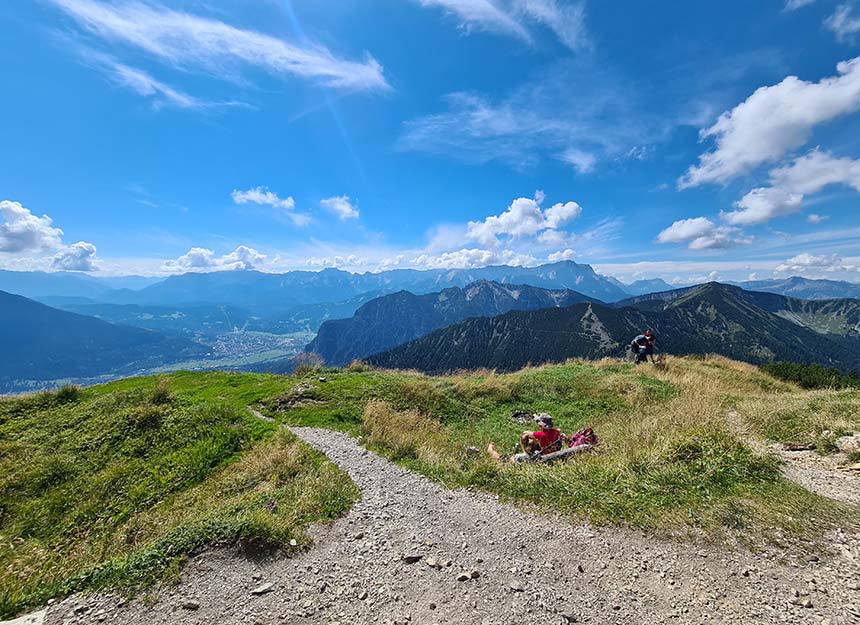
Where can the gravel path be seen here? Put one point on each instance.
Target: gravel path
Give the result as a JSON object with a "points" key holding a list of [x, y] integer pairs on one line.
{"points": [[820, 474], [413, 552]]}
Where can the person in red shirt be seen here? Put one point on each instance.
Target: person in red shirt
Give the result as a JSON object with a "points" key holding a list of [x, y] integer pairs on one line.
{"points": [[549, 438]]}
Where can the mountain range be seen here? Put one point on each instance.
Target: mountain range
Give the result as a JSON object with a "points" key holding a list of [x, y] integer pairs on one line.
{"points": [[43, 343], [710, 318], [394, 319]]}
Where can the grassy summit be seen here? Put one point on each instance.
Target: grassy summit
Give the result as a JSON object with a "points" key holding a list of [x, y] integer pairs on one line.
{"points": [[113, 485]]}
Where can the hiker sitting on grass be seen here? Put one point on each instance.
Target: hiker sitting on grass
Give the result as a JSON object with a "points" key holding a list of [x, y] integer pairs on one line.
{"points": [[549, 438], [531, 449], [534, 444]]}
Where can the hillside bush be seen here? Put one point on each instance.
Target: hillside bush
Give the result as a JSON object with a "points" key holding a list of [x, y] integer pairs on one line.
{"points": [[812, 376], [308, 363]]}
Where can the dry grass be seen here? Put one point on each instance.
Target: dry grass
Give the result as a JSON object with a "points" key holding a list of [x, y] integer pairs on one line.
{"points": [[677, 441]]}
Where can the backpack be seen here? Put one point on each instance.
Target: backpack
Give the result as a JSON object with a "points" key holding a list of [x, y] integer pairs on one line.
{"points": [[584, 437]]}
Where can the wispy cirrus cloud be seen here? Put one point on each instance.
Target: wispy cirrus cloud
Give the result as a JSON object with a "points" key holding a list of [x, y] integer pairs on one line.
{"points": [[537, 121], [193, 43], [515, 17], [844, 22], [144, 84]]}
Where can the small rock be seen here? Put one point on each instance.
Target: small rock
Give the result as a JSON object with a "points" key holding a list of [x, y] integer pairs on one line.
{"points": [[432, 606], [359, 536], [262, 589], [517, 587], [294, 542], [432, 562], [411, 558], [190, 605], [362, 595], [463, 577], [475, 574]]}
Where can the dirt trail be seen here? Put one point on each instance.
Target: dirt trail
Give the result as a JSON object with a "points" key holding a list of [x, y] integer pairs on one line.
{"points": [[485, 562]]}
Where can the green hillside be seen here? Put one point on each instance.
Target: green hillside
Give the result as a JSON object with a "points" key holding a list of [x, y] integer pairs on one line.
{"points": [[111, 486]]}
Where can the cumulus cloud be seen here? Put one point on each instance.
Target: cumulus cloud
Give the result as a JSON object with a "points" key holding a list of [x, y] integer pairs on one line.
{"points": [[201, 259], [523, 218], [553, 238], [806, 175], [185, 41], [700, 233], [511, 17], [814, 264], [772, 121], [763, 204], [567, 254], [341, 206], [472, 258], [844, 23], [815, 218], [264, 197], [22, 231], [80, 256]]}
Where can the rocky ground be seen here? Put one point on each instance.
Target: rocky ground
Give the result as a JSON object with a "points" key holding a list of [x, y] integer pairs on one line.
{"points": [[413, 552], [832, 475]]}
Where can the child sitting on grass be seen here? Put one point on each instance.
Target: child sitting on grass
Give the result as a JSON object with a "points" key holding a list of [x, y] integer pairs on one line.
{"points": [[531, 450]]}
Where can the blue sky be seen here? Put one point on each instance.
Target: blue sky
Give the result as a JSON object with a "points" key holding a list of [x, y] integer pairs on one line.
{"points": [[714, 139]]}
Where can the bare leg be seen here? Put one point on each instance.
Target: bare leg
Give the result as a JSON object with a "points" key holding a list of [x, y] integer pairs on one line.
{"points": [[491, 449]]}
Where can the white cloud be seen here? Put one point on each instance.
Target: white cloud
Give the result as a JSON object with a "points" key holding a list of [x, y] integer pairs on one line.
{"points": [[200, 259], [471, 258], [811, 264], [510, 17], [523, 218], [559, 214], [844, 23], [763, 204], [264, 197], [772, 121], [700, 233], [483, 14], [583, 162], [351, 260], [565, 19], [341, 206], [552, 238], [143, 84], [567, 254], [792, 5], [543, 118], [815, 218], [815, 170], [806, 175], [22, 231], [686, 229], [187, 41], [80, 256]]}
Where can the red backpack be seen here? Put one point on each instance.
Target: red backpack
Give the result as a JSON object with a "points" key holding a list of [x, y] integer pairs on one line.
{"points": [[584, 437]]}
